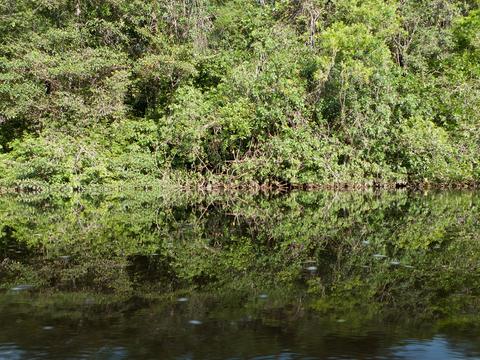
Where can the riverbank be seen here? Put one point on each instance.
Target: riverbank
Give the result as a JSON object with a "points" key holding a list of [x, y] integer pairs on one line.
{"points": [[203, 186]]}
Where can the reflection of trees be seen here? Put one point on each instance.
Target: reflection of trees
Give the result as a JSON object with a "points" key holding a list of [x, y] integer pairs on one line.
{"points": [[139, 243]]}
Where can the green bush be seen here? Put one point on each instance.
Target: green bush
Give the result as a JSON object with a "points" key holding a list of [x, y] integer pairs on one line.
{"points": [[299, 92]]}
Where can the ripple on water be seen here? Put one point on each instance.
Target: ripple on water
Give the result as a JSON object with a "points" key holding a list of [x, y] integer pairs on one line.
{"points": [[22, 287]]}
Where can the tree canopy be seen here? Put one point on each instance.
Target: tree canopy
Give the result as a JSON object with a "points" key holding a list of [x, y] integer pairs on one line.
{"points": [[291, 91]]}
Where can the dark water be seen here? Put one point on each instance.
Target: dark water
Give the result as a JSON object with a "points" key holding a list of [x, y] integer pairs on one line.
{"points": [[392, 275]]}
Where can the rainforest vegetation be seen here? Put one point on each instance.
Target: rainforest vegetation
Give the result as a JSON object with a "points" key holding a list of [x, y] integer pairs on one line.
{"points": [[238, 92]]}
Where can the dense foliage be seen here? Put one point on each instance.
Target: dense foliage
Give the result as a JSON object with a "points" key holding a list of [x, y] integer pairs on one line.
{"points": [[290, 91]]}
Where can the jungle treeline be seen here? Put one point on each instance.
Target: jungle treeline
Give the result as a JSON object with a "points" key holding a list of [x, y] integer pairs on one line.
{"points": [[296, 92]]}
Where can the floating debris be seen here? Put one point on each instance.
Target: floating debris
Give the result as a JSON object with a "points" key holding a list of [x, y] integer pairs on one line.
{"points": [[22, 287], [263, 296], [379, 256], [312, 268], [182, 299], [47, 328], [195, 322], [341, 320], [394, 262]]}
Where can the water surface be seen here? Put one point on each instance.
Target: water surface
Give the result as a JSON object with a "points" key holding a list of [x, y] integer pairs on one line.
{"points": [[315, 275]]}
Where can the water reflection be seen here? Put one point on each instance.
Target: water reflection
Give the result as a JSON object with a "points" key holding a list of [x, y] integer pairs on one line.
{"points": [[437, 348], [304, 275], [141, 336], [11, 351]]}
